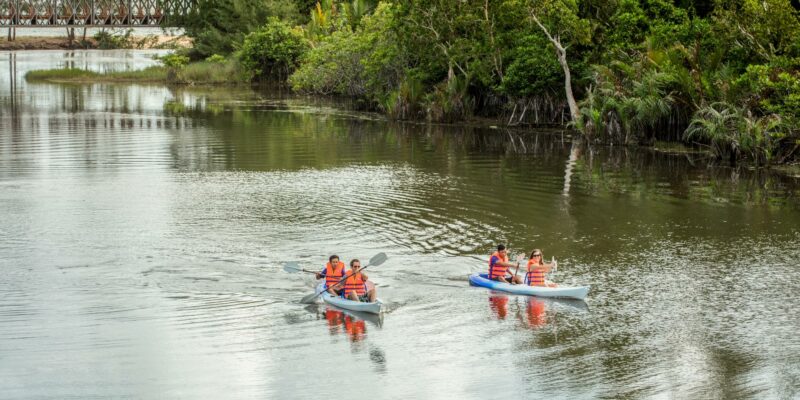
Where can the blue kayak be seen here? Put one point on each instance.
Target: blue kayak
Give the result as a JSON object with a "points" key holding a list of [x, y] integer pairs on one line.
{"points": [[567, 292]]}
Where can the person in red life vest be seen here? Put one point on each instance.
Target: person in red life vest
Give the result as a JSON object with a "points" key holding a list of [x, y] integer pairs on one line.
{"points": [[355, 287], [333, 273], [499, 267], [536, 270]]}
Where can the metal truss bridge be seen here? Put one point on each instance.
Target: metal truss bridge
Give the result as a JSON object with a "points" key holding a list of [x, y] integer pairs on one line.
{"points": [[91, 13]]}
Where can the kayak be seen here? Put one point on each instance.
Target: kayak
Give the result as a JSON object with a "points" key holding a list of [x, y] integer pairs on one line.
{"points": [[371, 308], [569, 292]]}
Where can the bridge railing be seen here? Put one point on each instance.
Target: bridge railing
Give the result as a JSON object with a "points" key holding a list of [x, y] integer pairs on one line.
{"points": [[42, 13]]}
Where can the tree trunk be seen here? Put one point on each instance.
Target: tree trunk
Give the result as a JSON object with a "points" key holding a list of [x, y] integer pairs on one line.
{"points": [[573, 106], [561, 52]]}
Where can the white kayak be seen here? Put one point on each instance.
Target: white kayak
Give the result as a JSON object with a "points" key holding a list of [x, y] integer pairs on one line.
{"points": [[341, 302], [568, 292]]}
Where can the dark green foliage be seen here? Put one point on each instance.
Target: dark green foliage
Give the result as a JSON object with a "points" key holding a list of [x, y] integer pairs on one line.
{"points": [[272, 52], [219, 26], [532, 69], [720, 73]]}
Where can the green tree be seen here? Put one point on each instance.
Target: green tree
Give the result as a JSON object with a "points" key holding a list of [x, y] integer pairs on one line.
{"points": [[272, 52], [219, 26]]}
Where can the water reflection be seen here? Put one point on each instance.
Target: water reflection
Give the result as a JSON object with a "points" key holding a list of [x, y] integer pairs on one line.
{"points": [[142, 226], [354, 326], [534, 312]]}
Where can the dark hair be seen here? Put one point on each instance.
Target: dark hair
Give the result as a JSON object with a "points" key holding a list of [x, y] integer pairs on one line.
{"points": [[500, 247], [330, 259], [355, 260]]}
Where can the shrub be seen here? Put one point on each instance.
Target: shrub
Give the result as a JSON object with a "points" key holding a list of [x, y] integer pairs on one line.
{"points": [[175, 61], [272, 52], [110, 40], [215, 58]]}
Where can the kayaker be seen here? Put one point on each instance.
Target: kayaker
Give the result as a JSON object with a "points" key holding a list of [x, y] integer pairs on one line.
{"points": [[333, 273], [537, 269], [355, 287], [499, 267]]}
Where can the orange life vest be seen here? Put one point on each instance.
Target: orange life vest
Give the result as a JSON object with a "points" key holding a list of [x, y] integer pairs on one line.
{"points": [[535, 277], [495, 270], [333, 275], [355, 283]]}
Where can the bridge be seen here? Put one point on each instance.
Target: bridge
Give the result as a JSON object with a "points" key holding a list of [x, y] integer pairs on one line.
{"points": [[91, 13]]}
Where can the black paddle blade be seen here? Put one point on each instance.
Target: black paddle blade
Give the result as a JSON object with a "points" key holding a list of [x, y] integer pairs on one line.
{"points": [[378, 259], [291, 266]]}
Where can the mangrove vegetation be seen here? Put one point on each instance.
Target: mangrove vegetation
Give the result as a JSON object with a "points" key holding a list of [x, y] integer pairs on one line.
{"points": [[723, 75]]}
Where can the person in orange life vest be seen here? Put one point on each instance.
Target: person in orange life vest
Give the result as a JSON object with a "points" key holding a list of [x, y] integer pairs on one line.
{"points": [[499, 267], [536, 270], [355, 287], [333, 273]]}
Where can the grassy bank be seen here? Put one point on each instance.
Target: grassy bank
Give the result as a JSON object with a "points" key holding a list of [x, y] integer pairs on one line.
{"points": [[200, 73], [75, 75]]}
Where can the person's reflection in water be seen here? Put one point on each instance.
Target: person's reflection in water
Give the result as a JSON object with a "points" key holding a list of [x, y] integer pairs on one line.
{"points": [[499, 305], [356, 328], [537, 316], [335, 319]]}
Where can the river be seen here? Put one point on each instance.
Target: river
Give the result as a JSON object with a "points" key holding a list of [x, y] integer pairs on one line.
{"points": [[144, 229]]}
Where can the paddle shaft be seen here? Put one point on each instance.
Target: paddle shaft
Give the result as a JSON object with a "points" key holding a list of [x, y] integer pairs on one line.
{"points": [[299, 269]]}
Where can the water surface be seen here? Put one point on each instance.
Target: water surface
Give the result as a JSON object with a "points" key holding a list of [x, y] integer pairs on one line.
{"points": [[143, 230]]}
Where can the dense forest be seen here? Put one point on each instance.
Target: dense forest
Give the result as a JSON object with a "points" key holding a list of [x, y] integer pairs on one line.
{"points": [[722, 74]]}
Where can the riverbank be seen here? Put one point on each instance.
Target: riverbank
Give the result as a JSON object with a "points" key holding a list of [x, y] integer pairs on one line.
{"points": [[222, 71], [64, 43], [198, 73]]}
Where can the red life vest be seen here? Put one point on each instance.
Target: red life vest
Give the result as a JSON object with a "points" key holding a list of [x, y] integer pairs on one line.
{"points": [[495, 270], [333, 275], [535, 277], [355, 283]]}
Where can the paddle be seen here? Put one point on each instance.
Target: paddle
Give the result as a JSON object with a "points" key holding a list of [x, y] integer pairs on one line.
{"points": [[519, 260], [292, 266], [376, 260]]}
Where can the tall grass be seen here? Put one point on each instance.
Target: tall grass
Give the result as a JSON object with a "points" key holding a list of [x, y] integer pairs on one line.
{"points": [[211, 73], [204, 72], [149, 74]]}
